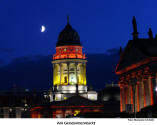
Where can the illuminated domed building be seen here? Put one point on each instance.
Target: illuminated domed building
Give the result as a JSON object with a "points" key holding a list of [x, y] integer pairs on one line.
{"points": [[69, 67], [70, 95]]}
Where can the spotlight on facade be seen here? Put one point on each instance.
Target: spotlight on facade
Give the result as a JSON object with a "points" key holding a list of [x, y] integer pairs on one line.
{"points": [[10, 110], [26, 105], [156, 88]]}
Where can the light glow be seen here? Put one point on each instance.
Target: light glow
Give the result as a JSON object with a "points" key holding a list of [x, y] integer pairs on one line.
{"points": [[156, 89], [76, 112]]}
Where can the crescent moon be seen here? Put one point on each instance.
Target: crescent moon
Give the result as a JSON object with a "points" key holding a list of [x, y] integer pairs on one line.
{"points": [[43, 29]]}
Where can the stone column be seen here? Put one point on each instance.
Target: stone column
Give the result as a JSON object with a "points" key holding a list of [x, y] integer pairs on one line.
{"points": [[76, 73], [132, 100], [154, 85], [141, 95], [150, 83], [137, 98], [68, 72], [145, 93], [84, 73], [60, 65], [128, 95], [146, 90], [53, 73], [133, 82]]}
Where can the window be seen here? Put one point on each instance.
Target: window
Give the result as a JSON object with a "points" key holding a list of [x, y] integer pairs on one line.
{"points": [[71, 69], [65, 79], [65, 98]]}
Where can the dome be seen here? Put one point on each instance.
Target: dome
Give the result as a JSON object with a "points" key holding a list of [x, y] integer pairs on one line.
{"points": [[68, 36]]}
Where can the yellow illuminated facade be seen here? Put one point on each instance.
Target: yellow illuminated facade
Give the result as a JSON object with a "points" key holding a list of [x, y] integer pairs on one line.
{"points": [[69, 72]]}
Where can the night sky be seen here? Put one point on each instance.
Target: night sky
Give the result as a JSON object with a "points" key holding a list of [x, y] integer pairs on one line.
{"points": [[101, 24]]}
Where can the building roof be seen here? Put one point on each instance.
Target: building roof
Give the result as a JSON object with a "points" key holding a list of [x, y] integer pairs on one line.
{"points": [[76, 101], [137, 50], [18, 99], [68, 36], [72, 101]]}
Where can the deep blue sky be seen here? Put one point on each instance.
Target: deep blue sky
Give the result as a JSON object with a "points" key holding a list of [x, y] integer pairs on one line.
{"points": [[101, 24]]}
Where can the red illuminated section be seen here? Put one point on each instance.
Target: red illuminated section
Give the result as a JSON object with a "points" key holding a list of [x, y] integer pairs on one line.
{"points": [[54, 111], [136, 65], [69, 52]]}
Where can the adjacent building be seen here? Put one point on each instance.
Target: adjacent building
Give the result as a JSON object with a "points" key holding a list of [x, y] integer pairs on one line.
{"points": [[16, 103], [137, 69]]}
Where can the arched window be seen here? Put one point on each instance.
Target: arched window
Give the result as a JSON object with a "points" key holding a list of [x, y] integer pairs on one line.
{"points": [[65, 79]]}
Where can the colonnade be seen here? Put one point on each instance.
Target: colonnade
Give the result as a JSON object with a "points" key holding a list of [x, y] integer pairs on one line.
{"points": [[69, 73], [138, 89]]}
